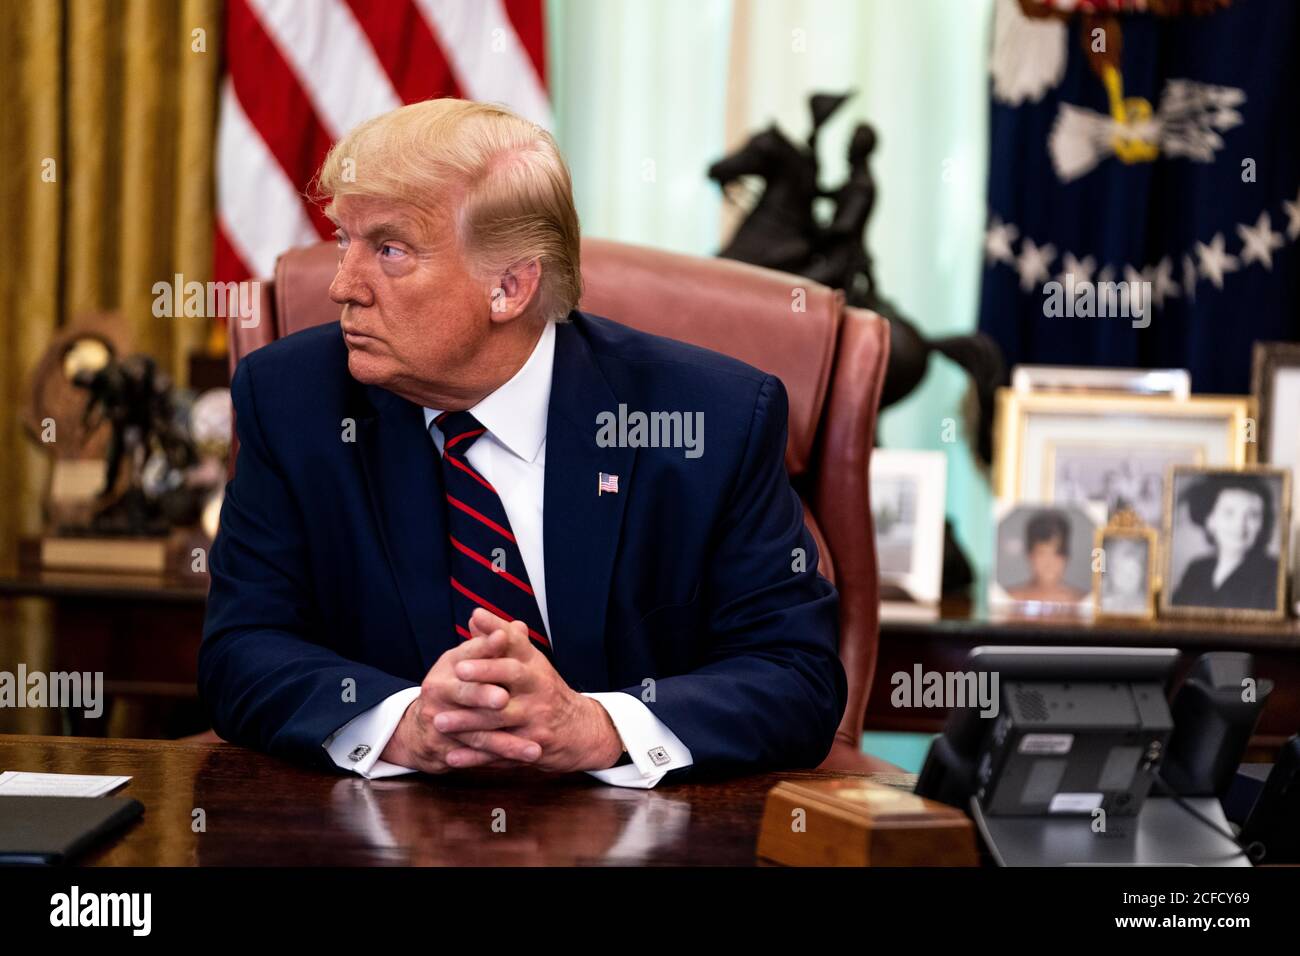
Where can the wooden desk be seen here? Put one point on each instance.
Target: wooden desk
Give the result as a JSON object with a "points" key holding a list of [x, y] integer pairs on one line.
{"points": [[262, 811], [141, 631], [943, 643]]}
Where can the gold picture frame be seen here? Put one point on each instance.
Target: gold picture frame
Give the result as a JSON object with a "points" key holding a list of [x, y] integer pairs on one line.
{"points": [[1013, 410], [1126, 524], [1169, 551]]}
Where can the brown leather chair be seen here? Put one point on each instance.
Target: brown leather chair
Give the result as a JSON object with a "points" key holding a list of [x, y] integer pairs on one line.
{"points": [[831, 359]]}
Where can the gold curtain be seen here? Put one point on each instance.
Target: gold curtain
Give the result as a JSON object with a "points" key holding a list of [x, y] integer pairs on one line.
{"points": [[108, 128]]}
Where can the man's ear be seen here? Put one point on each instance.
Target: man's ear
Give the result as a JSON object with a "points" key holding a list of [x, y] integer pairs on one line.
{"points": [[515, 290]]}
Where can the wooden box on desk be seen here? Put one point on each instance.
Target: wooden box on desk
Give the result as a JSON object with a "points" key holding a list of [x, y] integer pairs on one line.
{"points": [[851, 821]]}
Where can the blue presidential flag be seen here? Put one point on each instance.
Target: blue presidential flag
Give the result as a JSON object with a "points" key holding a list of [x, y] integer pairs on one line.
{"points": [[1144, 184]]}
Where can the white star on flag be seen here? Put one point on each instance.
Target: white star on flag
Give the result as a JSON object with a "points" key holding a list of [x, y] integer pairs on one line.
{"points": [[1259, 242], [1162, 282], [1214, 261], [998, 240], [1034, 264], [1081, 269], [1143, 278], [1292, 217], [1133, 275], [1189, 277]]}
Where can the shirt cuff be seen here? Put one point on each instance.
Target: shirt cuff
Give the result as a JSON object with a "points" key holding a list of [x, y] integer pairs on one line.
{"points": [[654, 748], [357, 744]]}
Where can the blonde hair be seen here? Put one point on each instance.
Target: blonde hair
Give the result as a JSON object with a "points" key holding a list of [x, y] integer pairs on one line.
{"points": [[509, 186]]}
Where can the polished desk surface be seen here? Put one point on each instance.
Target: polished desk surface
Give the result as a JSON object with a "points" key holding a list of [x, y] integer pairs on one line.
{"points": [[263, 811]]}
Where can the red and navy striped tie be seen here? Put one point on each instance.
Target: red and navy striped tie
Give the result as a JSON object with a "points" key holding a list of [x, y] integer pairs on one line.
{"points": [[487, 570]]}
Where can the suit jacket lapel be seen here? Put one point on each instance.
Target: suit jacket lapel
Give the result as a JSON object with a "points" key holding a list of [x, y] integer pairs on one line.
{"points": [[580, 528], [405, 486]]}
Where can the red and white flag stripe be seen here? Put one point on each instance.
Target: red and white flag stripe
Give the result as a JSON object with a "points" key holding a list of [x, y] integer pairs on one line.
{"points": [[301, 73]]}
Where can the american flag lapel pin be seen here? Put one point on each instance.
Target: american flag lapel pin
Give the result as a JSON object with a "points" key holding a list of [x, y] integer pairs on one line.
{"points": [[606, 483]]}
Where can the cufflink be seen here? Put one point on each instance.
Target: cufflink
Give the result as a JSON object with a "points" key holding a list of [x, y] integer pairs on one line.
{"points": [[359, 752], [658, 756]]}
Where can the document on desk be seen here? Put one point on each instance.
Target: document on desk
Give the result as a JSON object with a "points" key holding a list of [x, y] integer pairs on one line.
{"points": [[15, 783]]}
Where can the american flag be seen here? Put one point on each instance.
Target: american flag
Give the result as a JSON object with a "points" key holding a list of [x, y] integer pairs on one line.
{"points": [[300, 75], [607, 483]]}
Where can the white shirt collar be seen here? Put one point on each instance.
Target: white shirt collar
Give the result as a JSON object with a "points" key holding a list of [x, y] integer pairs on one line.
{"points": [[515, 414]]}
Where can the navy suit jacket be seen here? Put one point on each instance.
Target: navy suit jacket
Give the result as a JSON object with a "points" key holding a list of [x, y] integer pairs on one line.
{"points": [[684, 589]]}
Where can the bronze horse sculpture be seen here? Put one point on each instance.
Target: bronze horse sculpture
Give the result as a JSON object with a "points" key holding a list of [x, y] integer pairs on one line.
{"points": [[781, 231]]}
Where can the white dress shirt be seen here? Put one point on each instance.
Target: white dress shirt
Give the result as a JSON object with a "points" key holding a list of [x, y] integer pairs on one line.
{"points": [[512, 457]]}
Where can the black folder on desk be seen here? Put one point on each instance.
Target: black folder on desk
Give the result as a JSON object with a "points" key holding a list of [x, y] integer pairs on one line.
{"points": [[37, 831]]}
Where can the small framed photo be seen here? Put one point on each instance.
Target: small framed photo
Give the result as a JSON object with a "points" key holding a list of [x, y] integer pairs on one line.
{"points": [[1171, 382], [1065, 448], [1275, 383], [1226, 533], [1043, 559], [908, 490], [1124, 572]]}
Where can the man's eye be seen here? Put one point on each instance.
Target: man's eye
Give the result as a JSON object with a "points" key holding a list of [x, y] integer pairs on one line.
{"points": [[341, 239], [386, 248]]}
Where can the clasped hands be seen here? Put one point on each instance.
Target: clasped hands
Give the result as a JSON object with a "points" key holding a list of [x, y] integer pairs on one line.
{"points": [[496, 701]]}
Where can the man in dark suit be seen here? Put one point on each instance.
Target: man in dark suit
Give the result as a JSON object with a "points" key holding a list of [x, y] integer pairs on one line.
{"points": [[471, 527]]}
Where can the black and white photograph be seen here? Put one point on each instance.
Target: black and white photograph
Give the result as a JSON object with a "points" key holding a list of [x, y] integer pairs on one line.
{"points": [[1127, 477], [1226, 533], [1044, 554], [1123, 583], [907, 510], [893, 509]]}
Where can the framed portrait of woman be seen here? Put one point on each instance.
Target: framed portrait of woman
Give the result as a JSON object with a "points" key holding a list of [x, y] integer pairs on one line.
{"points": [[1042, 562], [1124, 568], [1226, 542]]}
